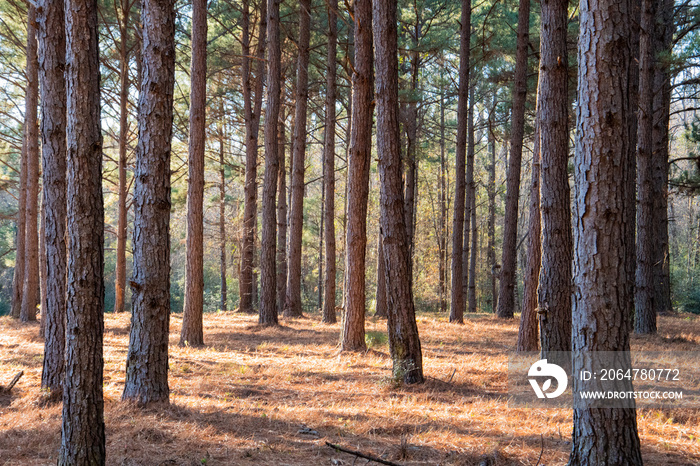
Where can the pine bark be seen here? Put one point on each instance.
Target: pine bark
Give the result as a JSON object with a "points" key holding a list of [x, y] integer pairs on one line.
{"points": [[442, 228], [30, 290], [457, 302], [491, 221], [147, 359], [353, 333], [83, 428], [329, 316], [554, 292], [18, 273], [282, 210], [404, 343], [252, 110], [52, 63], [506, 290], [192, 326], [600, 319], [268, 268], [292, 305], [528, 332], [471, 205], [222, 218], [645, 310], [120, 273], [381, 307]]}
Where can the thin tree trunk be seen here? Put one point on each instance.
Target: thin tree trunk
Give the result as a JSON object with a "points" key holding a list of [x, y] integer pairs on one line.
{"points": [[457, 292], [192, 332], [222, 214], [359, 158], [329, 316], [404, 343], [292, 305], [528, 333], [252, 110], [442, 239], [83, 428], [282, 211], [30, 291], [320, 245], [120, 282], [471, 204], [18, 275], [147, 359], [491, 227], [52, 60], [554, 292], [268, 268], [600, 319], [506, 290], [43, 270], [472, 259]]}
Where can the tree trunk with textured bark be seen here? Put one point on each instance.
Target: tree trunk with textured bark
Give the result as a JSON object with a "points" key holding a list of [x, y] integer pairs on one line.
{"points": [[83, 428], [18, 273], [252, 110], [442, 229], [147, 358], [222, 217], [329, 316], [52, 62], [554, 292], [381, 307], [491, 223], [120, 273], [506, 290], [470, 277], [353, 332], [268, 265], [192, 326], [404, 343], [292, 305], [528, 332], [600, 318], [282, 210], [645, 311], [30, 285], [457, 292]]}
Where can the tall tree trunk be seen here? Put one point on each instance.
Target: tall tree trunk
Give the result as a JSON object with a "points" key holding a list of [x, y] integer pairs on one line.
{"points": [[292, 305], [555, 274], [662, 104], [329, 164], [83, 428], [442, 230], [30, 290], [491, 226], [192, 326], [282, 211], [645, 311], [268, 266], [18, 274], [222, 214], [457, 292], [359, 158], [52, 62], [600, 319], [120, 273], [320, 245], [506, 290], [411, 125], [147, 359], [404, 343], [43, 270], [471, 207], [252, 110], [528, 333]]}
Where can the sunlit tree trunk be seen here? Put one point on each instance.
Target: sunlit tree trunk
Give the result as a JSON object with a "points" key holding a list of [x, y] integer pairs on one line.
{"points": [[491, 224], [282, 211], [222, 214], [471, 205]]}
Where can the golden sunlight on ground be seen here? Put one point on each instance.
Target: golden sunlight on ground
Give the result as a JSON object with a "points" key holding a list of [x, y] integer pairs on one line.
{"points": [[275, 396]]}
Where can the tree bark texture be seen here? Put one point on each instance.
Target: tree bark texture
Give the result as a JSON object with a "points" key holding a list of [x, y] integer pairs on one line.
{"points": [[600, 319], [404, 343], [282, 211], [329, 316], [353, 333], [381, 307], [443, 228], [292, 305], [147, 358], [30, 290], [83, 428], [252, 110], [192, 326], [470, 278], [222, 218], [268, 265], [555, 274], [52, 63], [457, 302], [491, 221], [506, 290], [18, 273]]}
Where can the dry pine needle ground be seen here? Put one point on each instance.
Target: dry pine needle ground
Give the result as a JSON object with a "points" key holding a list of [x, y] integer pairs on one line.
{"points": [[275, 396]]}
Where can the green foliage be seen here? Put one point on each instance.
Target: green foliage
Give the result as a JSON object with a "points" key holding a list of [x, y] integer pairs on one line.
{"points": [[375, 339]]}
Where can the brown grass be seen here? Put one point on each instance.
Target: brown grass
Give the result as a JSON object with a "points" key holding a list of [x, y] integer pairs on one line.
{"points": [[248, 397]]}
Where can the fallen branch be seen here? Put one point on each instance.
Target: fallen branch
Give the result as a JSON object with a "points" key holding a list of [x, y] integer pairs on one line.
{"points": [[361, 455], [12, 384]]}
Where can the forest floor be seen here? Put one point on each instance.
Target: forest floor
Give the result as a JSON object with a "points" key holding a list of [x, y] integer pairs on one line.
{"points": [[274, 397]]}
